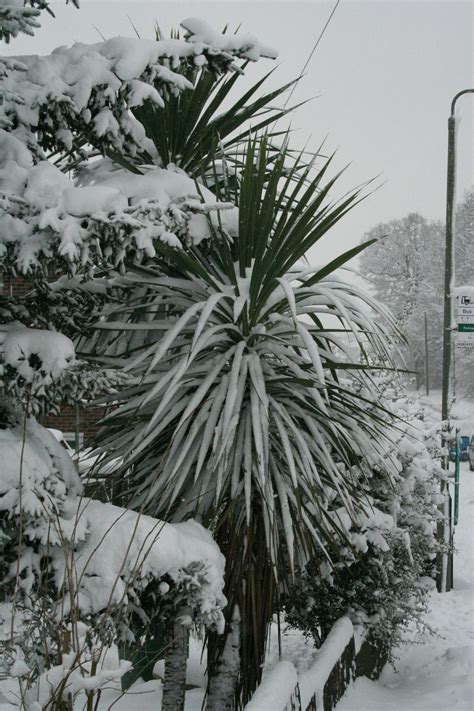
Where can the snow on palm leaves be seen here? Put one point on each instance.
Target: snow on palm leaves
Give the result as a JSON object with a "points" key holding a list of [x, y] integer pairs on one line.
{"points": [[237, 393]]}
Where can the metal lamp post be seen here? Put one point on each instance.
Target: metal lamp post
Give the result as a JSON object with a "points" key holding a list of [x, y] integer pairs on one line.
{"points": [[445, 567]]}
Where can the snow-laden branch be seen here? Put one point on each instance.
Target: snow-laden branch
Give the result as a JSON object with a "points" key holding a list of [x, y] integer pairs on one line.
{"points": [[87, 90], [38, 356], [109, 215]]}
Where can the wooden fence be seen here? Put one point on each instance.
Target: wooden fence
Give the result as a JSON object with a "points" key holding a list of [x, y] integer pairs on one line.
{"points": [[319, 688]]}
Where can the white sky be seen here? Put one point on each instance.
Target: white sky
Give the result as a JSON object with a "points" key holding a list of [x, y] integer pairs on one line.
{"points": [[385, 73]]}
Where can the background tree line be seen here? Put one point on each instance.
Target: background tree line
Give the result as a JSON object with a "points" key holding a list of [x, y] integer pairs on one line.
{"points": [[405, 269]]}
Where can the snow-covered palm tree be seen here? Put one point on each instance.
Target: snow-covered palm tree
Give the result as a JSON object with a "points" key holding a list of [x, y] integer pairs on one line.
{"points": [[238, 411]]}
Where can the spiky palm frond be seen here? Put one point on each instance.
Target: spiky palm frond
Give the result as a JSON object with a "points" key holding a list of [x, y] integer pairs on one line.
{"points": [[240, 411], [226, 405], [194, 127]]}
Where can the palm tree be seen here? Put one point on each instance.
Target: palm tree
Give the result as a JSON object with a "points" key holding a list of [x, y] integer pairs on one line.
{"points": [[239, 412]]}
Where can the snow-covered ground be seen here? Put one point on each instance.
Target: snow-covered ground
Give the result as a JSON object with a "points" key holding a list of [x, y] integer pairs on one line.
{"points": [[462, 411], [434, 671]]}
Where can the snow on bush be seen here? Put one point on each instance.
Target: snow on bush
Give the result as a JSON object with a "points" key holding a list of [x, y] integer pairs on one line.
{"points": [[126, 549], [37, 356], [112, 547], [50, 103], [383, 578], [38, 483], [89, 89], [115, 214], [78, 569], [44, 213], [16, 17]]}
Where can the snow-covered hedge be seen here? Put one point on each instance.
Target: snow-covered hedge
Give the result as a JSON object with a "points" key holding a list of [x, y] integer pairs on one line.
{"points": [[383, 578]]}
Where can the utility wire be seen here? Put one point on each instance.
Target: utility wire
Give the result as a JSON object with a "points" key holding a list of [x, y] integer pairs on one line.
{"points": [[321, 35]]}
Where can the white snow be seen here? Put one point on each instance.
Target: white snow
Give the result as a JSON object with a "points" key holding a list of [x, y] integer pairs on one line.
{"points": [[47, 471], [19, 668], [37, 355], [66, 79], [435, 673], [43, 210], [245, 45], [122, 544], [276, 688], [313, 680], [301, 664], [89, 200]]}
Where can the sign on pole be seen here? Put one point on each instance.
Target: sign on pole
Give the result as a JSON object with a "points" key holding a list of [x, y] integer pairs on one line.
{"points": [[465, 316]]}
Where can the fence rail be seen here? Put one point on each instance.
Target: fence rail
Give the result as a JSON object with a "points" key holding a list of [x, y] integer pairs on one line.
{"points": [[319, 688]]}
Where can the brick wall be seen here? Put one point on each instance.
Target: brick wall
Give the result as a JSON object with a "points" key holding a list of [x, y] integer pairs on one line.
{"points": [[18, 286], [66, 420]]}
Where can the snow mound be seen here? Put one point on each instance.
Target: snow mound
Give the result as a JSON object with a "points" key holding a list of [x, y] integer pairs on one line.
{"points": [[47, 472]]}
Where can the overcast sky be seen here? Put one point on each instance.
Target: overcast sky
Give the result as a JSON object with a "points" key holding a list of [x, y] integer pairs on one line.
{"points": [[384, 73]]}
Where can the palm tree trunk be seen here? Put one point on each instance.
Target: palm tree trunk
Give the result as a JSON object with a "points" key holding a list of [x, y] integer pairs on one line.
{"points": [[223, 684], [174, 684], [234, 674]]}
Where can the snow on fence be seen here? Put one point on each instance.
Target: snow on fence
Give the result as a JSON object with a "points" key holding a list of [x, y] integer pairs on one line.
{"points": [[320, 687], [323, 684], [276, 689]]}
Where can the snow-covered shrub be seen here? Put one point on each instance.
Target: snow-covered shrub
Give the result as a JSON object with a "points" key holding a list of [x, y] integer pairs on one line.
{"points": [[384, 576], [381, 591], [79, 571], [73, 571], [48, 220], [38, 485]]}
